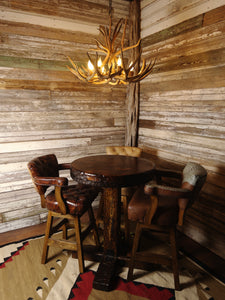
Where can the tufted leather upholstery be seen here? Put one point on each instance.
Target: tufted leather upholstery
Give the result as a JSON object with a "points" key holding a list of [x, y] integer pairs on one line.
{"points": [[77, 199], [124, 150], [64, 203], [41, 167]]}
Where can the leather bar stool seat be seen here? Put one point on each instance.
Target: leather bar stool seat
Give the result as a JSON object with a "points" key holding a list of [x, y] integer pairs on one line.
{"points": [[77, 199]]}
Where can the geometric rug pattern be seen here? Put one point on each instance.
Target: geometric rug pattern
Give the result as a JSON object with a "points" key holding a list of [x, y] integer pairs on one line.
{"points": [[82, 288], [23, 277]]}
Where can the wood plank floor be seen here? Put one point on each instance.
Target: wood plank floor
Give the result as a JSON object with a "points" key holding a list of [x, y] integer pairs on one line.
{"points": [[208, 260], [21, 234]]}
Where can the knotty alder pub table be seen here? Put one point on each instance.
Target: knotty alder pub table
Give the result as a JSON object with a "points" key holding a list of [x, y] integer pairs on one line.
{"points": [[110, 173]]}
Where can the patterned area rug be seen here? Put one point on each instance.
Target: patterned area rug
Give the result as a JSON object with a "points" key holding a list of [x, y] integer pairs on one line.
{"points": [[82, 289], [23, 277]]}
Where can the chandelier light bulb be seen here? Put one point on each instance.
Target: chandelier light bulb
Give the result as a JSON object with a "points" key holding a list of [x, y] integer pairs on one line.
{"points": [[90, 66], [99, 62], [119, 62]]}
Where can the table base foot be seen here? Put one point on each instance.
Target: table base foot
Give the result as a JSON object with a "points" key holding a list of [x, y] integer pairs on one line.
{"points": [[105, 276]]}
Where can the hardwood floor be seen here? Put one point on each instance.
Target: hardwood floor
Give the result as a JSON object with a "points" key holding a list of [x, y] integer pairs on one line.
{"points": [[21, 234], [208, 260]]}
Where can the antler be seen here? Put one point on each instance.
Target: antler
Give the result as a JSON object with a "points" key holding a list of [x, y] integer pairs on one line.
{"points": [[110, 71]]}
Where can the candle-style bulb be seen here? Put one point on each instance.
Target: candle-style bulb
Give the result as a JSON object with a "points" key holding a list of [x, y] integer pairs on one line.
{"points": [[90, 66], [119, 62], [99, 62]]}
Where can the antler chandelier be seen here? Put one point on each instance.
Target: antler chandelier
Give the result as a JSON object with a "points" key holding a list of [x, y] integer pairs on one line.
{"points": [[109, 65]]}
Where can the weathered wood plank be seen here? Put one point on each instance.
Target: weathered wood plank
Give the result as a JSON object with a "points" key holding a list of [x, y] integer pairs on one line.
{"points": [[196, 61], [46, 21], [20, 100], [48, 49], [75, 124], [115, 96], [66, 9], [67, 16], [51, 117], [25, 222], [73, 85], [187, 106], [183, 27], [182, 153], [8, 28], [189, 118], [28, 63], [187, 79], [186, 95], [160, 14], [172, 159], [203, 142], [214, 16], [24, 213], [188, 43], [210, 131], [189, 150], [58, 134], [35, 75], [37, 145]]}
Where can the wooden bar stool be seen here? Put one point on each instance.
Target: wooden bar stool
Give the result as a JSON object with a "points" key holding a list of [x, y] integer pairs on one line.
{"points": [[159, 208], [66, 204]]}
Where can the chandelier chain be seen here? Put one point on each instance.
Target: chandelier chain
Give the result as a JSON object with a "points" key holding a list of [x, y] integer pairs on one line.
{"points": [[110, 8]]}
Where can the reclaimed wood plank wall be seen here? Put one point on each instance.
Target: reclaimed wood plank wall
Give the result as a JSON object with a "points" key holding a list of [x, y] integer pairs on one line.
{"points": [[182, 103], [43, 107]]}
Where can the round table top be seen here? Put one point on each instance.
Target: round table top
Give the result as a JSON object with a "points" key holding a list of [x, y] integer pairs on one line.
{"points": [[112, 170]]}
